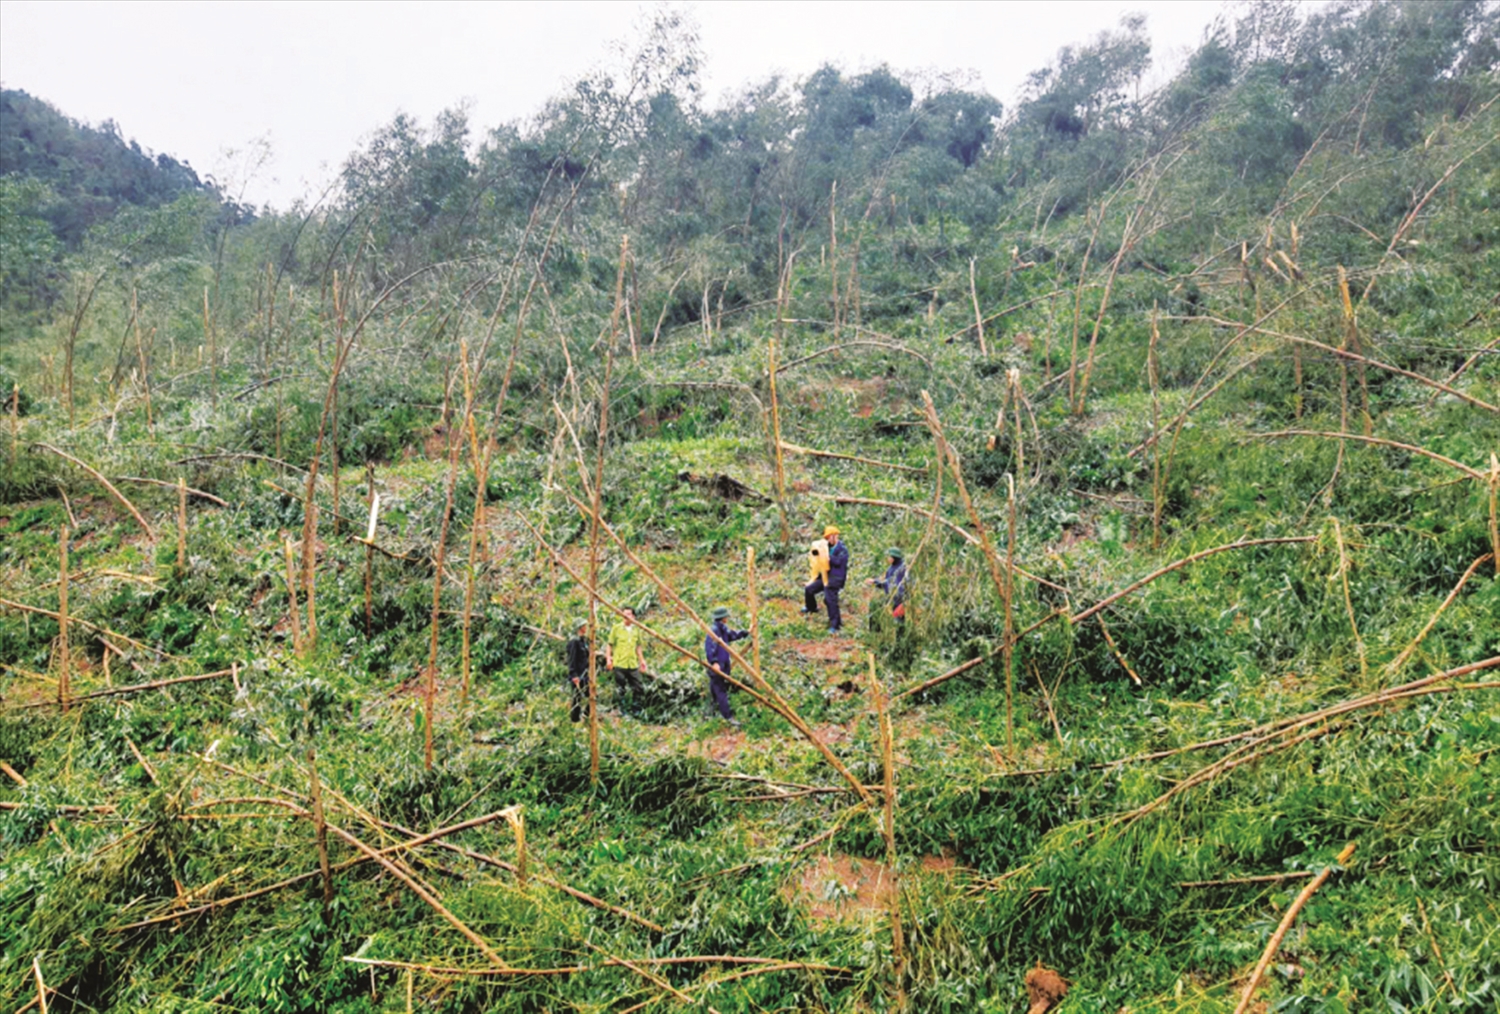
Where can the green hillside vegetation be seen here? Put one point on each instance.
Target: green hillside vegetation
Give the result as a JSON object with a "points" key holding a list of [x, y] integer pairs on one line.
{"points": [[1184, 407]]}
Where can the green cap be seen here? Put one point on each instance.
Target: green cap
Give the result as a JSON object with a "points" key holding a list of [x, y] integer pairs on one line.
{"points": [[579, 624], [721, 613], [895, 554]]}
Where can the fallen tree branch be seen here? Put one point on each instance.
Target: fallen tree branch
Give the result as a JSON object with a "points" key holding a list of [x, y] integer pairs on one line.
{"points": [[61, 808], [241, 455], [654, 979], [105, 631], [1400, 660], [450, 972], [971, 663], [844, 345], [1472, 473], [172, 485], [107, 485], [1352, 357], [814, 453], [1264, 745], [412, 842], [1266, 878], [479, 857], [1103, 604], [133, 688], [1274, 943]]}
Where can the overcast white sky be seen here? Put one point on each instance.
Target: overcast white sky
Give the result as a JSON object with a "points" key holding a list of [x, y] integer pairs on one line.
{"points": [[197, 79]]}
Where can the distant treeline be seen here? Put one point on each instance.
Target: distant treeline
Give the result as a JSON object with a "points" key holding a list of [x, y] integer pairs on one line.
{"points": [[903, 177]]}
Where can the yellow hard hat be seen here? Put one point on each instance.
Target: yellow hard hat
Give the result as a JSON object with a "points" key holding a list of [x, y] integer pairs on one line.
{"points": [[831, 530]]}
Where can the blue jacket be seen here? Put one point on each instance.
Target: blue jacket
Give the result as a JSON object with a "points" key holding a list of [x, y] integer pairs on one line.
{"points": [[717, 653], [894, 583], [838, 565]]}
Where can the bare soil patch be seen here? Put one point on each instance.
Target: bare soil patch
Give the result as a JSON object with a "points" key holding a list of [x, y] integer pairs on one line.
{"points": [[824, 650], [841, 887], [721, 747]]}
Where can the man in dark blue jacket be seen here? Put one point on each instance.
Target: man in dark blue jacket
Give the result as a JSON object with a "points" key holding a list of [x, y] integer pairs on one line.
{"points": [[578, 668], [838, 573], [894, 583], [719, 660]]}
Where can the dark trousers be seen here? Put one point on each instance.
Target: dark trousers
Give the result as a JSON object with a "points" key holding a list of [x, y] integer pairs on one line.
{"points": [[830, 596], [580, 697], [628, 689], [719, 686]]}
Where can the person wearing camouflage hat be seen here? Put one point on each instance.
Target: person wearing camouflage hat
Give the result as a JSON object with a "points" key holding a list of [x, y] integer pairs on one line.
{"points": [[716, 648]]}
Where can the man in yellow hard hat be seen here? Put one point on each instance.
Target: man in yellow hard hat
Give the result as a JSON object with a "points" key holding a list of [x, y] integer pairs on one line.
{"points": [[829, 582]]}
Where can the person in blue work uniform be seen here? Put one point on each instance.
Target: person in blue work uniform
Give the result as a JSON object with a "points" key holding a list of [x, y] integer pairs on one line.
{"points": [[894, 584], [719, 661], [832, 584]]}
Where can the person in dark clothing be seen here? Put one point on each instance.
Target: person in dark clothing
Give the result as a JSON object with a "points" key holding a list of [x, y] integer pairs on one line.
{"points": [[838, 573], [894, 583], [578, 669], [719, 660]]}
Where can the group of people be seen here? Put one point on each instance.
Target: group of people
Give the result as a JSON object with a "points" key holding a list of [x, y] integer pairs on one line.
{"points": [[624, 653]]}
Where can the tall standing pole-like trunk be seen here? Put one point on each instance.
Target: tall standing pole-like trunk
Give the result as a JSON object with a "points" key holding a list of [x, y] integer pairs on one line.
{"points": [[1017, 396], [309, 501], [620, 307], [1338, 463], [1010, 622], [320, 830], [81, 304], [888, 832], [1083, 273], [64, 652], [833, 253], [437, 600], [1156, 486], [265, 345], [978, 317], [478, 466], [374, 501], [455, 445], [181, 526], [1495, 510], [213, 353], [291, 596], [997, 572], [333, 454], [595, 513], [140, 351], [1351, 344], [15, 424], [771, 369], [68, 357], [752, 592]]}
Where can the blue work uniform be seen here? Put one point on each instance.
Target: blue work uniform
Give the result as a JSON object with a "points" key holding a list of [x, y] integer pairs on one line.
{"points": [[718, 655], [838, 572], [894, 583]]}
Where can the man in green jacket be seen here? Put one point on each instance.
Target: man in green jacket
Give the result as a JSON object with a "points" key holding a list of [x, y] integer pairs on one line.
{"points": [[624, 654]]}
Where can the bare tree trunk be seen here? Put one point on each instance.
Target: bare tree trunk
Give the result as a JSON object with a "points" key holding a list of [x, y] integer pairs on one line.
{"points": [[833, 253], [978, 317], [64, 652]]}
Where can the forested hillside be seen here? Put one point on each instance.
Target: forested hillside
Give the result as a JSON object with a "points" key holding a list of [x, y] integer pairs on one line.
{"points": [[1181, 408]]}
